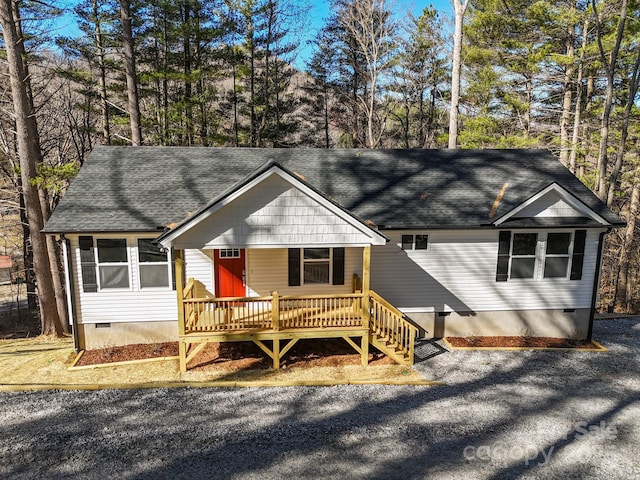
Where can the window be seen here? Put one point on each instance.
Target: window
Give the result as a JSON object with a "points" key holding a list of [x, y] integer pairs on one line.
{"points": [[316, 265], [153, 265], [229, 253], [556, 261], [523, 255], [113, 263], [540, 255], [421, 242]]}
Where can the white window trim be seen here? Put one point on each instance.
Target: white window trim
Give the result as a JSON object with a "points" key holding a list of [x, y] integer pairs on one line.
{"points": [[229, 253], [413, 242], [303, 261], [113, 264], [541, 255], [166, 263]]}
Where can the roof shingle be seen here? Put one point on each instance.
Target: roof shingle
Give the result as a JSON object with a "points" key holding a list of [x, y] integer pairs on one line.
{"points": [[123, 189]]}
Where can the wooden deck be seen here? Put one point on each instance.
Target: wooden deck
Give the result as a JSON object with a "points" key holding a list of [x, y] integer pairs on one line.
{"points": [[359, 318]]}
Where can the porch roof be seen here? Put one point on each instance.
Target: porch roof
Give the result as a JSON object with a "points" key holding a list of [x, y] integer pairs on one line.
{"points": [[144, 189], [271, 207]]}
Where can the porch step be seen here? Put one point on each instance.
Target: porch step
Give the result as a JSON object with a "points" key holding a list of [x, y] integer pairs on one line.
{"points": [[397, 353]]}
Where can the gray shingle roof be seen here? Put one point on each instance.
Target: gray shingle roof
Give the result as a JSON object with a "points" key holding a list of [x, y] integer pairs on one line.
{"points": [[146, 188]]}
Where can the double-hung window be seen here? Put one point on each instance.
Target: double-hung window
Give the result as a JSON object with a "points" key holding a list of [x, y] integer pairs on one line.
{"points": [[523, 255], [540, 255], [316, 265], [556, 259], [153, 265], [113, 263]]}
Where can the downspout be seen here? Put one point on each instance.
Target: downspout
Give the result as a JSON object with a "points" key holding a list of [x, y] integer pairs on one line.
{"points": [[71, 293], [596, 283]]}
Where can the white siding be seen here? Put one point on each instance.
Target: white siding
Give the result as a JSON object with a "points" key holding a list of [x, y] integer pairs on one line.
{"points": [[550, 205], [268, 272], [272, 214], [122, 305], [199, 265], [458, 273]]}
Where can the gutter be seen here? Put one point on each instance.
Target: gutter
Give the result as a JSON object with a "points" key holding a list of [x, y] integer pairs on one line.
{"points": [[71, 294], [596, 283]]}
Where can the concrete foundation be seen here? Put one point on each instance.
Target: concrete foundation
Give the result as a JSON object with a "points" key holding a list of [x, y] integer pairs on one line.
{"points": [[102, 335], [561, 323]]}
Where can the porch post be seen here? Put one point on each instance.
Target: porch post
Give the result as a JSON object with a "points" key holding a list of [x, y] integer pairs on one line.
{"points": [[366, 313], [182, 346]]}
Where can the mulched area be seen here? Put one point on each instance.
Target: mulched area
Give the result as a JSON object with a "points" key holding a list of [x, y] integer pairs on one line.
{"points": [[535, 342], [128, 352], [242, 355]]}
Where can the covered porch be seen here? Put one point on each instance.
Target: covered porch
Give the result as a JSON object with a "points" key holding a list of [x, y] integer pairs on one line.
{"points": [[289, 250], [276, 322]]}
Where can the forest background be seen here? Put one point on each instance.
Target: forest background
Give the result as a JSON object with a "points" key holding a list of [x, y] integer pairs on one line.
{"points": [[560, 75]]}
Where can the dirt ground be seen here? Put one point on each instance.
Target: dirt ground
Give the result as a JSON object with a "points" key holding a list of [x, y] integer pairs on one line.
{"points": [[533, 342], [241, 355]]}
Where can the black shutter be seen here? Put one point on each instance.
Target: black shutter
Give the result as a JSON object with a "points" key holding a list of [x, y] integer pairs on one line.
{"points": [[578, 254], [504, 245], [88, 265], [338, 266], [294, 267]]}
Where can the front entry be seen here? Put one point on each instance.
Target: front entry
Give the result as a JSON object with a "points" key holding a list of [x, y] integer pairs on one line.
{"points": [[228, 266]]}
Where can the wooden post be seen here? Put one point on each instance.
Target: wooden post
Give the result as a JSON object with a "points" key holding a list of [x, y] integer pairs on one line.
{"points": [[182, 346], [364, 346], [366, 282], [275, 311], [276, 352]]}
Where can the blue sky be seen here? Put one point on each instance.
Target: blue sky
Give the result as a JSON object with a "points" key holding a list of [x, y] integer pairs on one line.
{"points": [[318, 13]]}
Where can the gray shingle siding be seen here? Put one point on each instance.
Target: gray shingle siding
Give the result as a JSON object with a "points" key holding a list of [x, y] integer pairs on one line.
{"points": [[123, 189]]}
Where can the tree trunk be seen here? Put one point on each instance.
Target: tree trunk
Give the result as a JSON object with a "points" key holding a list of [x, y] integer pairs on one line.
{"points": [[610, 68], [29, 154], [578, 108], [459, 6], [102, 78], [566, 85], [585, 127], [624, 134], [624, 285], [130, 73]]}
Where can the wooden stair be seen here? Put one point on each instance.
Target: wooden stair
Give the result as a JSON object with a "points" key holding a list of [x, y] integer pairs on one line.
{"points": [[390, 332]]}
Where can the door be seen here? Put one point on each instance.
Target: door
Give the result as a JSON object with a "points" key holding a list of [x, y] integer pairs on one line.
{"points": [[228, 265]]}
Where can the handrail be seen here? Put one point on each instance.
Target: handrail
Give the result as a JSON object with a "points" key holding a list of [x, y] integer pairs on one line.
{"points": [[274, 312], [390, 324]]}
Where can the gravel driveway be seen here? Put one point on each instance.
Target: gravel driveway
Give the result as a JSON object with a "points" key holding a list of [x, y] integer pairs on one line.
{"points": [[502, 415]]}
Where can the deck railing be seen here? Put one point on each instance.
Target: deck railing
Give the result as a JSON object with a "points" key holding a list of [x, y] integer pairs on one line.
{"points": [[206, 314], [388, 323]]}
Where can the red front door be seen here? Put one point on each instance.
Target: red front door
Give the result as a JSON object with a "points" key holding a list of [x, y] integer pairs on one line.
{"points": [[228, 265]]}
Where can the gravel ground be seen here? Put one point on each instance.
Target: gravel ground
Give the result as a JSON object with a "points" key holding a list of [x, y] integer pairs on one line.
{"points": [[525, 414]]}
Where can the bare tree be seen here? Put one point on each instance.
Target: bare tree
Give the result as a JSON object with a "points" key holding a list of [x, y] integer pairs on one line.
{"points": [[460, 7], [130, 71], [369, 23], [29, 153]]}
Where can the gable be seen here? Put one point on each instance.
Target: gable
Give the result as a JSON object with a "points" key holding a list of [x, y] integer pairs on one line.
{"points": [[553, 203], [272, 211]]}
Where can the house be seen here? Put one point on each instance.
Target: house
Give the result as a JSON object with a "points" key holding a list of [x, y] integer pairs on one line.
{"points": [[6, 265], [276, 245]]}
